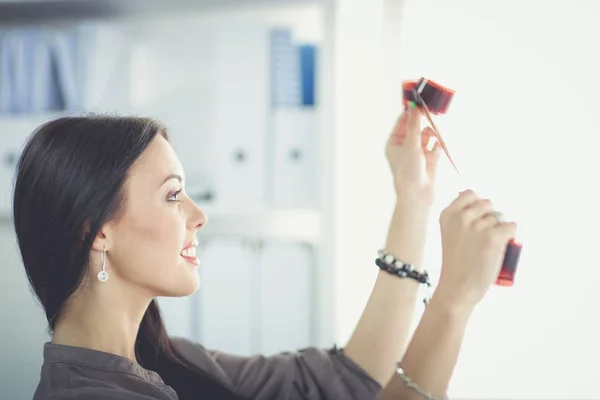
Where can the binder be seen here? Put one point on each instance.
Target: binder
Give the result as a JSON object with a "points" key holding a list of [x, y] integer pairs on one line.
{"points": [[286, 297], [226, 317], [295, 164], [241, 115]]}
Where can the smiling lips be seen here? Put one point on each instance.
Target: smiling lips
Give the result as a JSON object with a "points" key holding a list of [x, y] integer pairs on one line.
{"points": [[189, 253]]}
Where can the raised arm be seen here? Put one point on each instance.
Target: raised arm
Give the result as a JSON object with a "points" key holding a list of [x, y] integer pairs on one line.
{"points": [[364, 367], [473, 241], [381, 335]]}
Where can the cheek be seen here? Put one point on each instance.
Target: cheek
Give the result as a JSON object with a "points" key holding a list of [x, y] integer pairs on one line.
{"points": [[159, 232], [152, 242]]}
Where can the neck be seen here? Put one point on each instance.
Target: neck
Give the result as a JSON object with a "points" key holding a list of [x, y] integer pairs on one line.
{"points": [[101, 318]]}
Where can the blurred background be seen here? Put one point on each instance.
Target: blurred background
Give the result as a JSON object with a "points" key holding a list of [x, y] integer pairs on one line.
{"points": [[279, 111]]}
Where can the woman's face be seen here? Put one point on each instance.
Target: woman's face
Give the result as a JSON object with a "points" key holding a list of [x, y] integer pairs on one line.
{"points": [[152, 245]]}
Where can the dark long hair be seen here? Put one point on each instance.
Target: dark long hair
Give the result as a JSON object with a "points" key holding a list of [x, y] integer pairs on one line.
{"points": [[69, 183]]}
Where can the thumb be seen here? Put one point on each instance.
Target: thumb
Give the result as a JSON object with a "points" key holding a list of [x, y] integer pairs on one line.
{"points": [[413, 127]]}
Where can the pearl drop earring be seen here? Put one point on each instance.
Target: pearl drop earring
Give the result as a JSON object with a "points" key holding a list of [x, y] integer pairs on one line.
{"points": [[103, 275]]}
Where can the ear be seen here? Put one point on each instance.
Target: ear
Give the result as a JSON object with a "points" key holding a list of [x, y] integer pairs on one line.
{"points": [[103, 238]]}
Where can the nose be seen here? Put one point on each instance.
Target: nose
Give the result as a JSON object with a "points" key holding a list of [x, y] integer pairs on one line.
{"points": [[197, 218]]}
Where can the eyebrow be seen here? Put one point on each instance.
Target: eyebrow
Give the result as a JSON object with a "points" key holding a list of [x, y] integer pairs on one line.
{"points": [[172, 176]]}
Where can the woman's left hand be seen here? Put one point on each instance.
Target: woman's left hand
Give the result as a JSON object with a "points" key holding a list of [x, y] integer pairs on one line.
{"points": [[413, 165]]}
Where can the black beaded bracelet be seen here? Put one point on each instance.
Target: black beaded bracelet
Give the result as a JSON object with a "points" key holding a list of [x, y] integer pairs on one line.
{"points": [[393, 266]]}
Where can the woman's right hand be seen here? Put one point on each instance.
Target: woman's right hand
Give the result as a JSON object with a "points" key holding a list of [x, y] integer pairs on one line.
{"points": [[474, 241]]}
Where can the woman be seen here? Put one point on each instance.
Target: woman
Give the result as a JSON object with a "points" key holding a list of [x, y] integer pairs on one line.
{"points": [[104, 226]]}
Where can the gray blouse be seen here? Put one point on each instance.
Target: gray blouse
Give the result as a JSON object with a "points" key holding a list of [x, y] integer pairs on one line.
{"points": [[70, 373]]}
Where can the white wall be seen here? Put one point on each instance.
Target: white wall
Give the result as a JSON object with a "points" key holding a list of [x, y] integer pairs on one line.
{"points": [[361, 179], [526, 150], [522, 129]]}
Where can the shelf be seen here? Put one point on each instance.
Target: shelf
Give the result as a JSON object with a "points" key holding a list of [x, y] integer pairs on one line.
{"points": [[295, 225], [14, 11]]}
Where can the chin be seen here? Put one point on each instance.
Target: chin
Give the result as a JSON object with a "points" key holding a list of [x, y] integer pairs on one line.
{"points": [[186, 286], [193, 284]]}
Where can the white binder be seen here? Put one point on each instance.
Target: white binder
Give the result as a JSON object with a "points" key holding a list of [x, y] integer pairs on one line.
{"points": [[295, 157], [241, 115], [225, 309], [286, 292]]}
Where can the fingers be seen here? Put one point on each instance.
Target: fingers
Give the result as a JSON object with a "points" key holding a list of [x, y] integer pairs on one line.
{"points": [[499, 232], [506, 231], [426, 136], [487, 221], [477, 220], [476, 211], [472, 210], [431, 159], [464, 199], [407, 130], [479, 212], [399, 132], [498, 236], [413, 128]]}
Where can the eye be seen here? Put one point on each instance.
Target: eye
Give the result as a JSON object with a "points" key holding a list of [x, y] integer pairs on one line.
{"points": [[174, 196]]}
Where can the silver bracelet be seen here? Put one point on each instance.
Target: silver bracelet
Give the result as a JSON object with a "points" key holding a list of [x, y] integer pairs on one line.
{"points": [[416, 387]]}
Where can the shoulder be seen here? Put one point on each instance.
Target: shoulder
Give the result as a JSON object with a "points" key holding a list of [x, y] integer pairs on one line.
{"points": [[199, 356], [99, 393], [65, 381], [192, 351], [182, 344], [310, 373]]}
